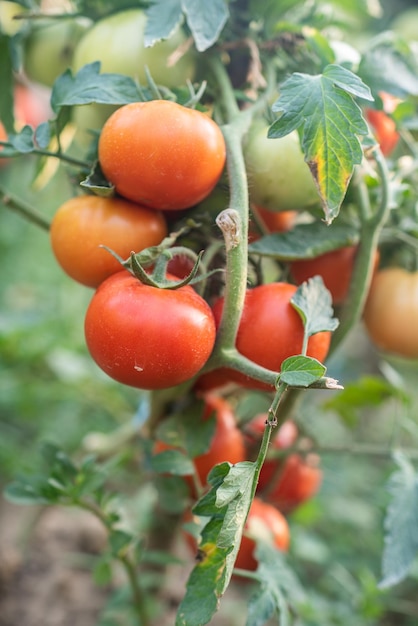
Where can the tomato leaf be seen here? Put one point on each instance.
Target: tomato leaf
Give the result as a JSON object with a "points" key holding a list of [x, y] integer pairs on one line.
{"points": [[205, 20], [88, 85], [279, 588], [172, 462], [162, 21], [6, 82], [227, 504], [301, 371], [96, 182], [305, 241], [23, 141], [313, 302], [330, 120], [401, 524], [188, 431], [398, 71]]}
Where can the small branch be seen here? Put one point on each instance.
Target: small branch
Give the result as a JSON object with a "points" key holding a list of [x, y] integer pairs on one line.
{"points": [[17, 205]]}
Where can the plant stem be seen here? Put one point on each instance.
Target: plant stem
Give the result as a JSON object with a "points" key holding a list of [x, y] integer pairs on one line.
{"points": [[17, 205], [365, 257]]}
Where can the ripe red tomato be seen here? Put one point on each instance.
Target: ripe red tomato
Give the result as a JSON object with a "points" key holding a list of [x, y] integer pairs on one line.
{"points": [[161, 154], [335, 267], [391, 311], [227, 443], [266, 523], [148, 337], [385, 130], [290, 481], [81, 225], [270, 331]]}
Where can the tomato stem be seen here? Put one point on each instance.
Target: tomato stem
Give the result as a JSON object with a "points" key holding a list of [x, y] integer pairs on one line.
{"points": [[17, 205]]}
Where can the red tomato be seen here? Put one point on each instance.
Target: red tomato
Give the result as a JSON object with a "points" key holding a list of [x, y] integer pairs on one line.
{"points": [[335, 268], [148, 337], [81, 225], [162, 154], [266, 523], [391, 311], [31, 104], [385, 130], [270, 331], [227, 443]]}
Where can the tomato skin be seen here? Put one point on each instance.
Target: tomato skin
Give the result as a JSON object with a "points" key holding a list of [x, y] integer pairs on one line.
{"points": [[278, 176], [227, 443], [385, 130], [147, 337], [161, 154], [117, 41], [84, 223], [266, 523], [270, 331], [391, 311], [273, 221]]}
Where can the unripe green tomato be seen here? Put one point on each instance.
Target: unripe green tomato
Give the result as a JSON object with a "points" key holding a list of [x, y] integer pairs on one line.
{"points": [[50, 47], [117, 42], [278, 176]]}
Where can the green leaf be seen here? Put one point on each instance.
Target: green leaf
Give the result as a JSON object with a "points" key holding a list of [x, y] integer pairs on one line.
{"points": [[204, 587], [43, 135], [172, 462], [102, 571], [163, 17], [239, 478], [119, 541], [401, 524], [330, 122], [313, 302], [23, 141], [97, 183], [173, 493], [398, 70], [305, 241], [88, 85], [301, 371], [188, 431], [205, 20], [22, 492]]}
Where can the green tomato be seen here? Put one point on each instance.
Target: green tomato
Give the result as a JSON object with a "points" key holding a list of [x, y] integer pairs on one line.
{"points": [[8, 25], [117, 42], [50, 46], [278, 177]]}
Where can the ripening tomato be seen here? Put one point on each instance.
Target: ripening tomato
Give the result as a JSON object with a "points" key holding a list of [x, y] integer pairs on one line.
{"points": [[161, 154], [148, 337], [290, 481], [273, 221], [335, 268], [265, 523], [384, 128], [227, 443], [81, 225], [31, 105], [391, 311], [278, 176], [270, 331]]}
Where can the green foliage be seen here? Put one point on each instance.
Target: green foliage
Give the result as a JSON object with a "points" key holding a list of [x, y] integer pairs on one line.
{"points": [[324, 109], [312, 301]]}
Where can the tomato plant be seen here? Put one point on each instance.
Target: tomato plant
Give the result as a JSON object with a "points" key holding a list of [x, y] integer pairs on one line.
{"points": [[131, 338], [270, 331], [117, 41], [85, 223], [279, 178], [161, 154], [391, 311]]}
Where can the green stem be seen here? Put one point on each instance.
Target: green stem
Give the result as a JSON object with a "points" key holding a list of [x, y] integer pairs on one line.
{"points": [[124, 559], [365, 258], [17, 205]]}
